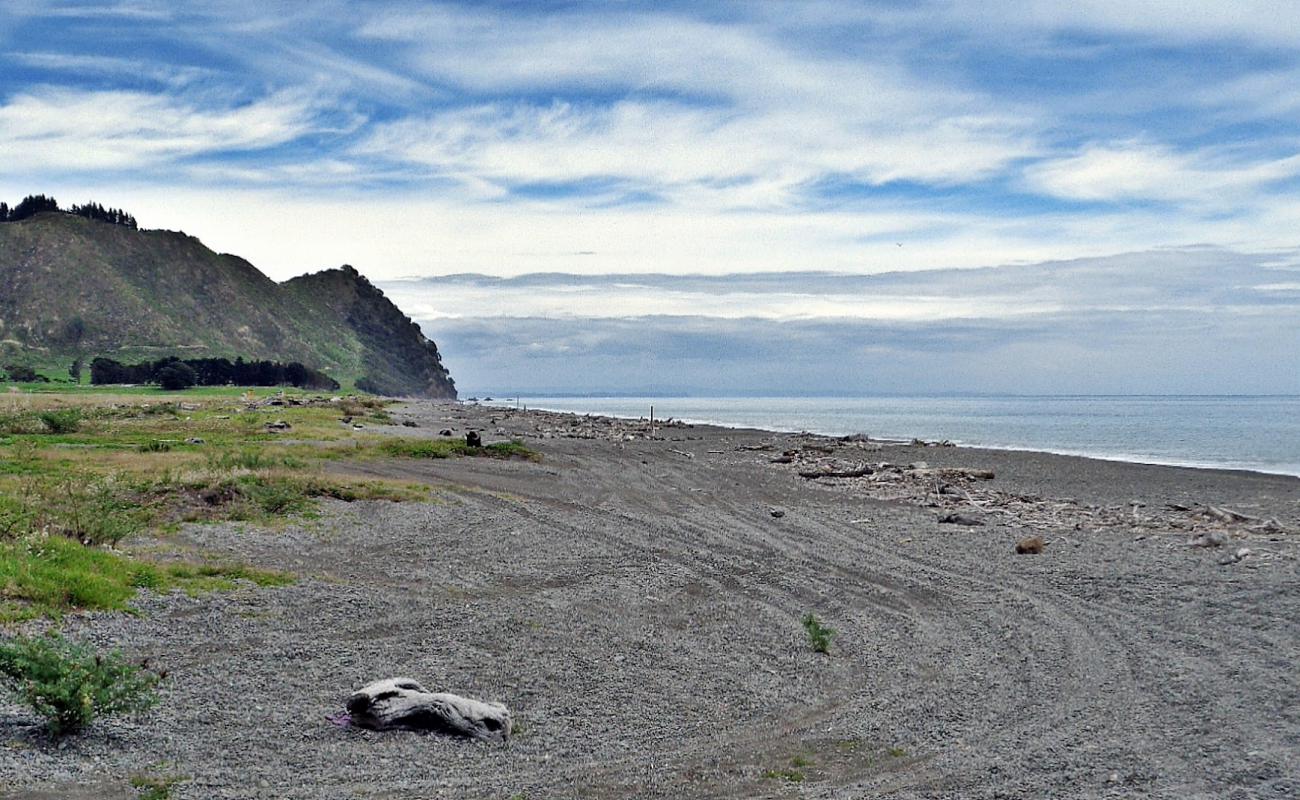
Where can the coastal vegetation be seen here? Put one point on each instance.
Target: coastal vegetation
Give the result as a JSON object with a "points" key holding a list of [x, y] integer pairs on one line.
{"points": [[174, 373], [82, 471], [819, 635], [70, 684], [32, 205]]}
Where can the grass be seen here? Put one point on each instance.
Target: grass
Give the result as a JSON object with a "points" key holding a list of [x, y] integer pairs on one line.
{"points": [[47, 577], [82, 470]]}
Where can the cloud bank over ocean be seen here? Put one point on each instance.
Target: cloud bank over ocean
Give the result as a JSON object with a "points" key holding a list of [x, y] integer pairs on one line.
{"points": [[1186, 321]]}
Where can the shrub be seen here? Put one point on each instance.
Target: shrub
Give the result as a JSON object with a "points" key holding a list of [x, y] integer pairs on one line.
{"points": [[19, 373], [70, 684], [819, 636], [65, 420]]}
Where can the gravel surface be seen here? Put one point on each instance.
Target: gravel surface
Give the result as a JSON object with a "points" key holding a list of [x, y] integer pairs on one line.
{"points": [[637, 605]]}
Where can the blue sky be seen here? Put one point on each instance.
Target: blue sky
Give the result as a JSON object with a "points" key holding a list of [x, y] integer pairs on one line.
{"points": [[414, 139]]}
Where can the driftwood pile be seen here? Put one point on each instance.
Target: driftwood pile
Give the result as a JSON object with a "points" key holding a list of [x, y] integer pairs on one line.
{"points": [[963, 496], [553, 425]]}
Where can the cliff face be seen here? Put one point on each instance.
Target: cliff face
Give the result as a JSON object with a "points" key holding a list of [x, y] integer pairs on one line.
{"points": [[410, 363], [72, 286]]}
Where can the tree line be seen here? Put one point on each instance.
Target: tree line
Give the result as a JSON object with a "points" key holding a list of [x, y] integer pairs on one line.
{"points": [[176, 373], [34, 204]]}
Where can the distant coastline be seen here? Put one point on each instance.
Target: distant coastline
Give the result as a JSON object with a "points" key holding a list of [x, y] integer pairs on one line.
{"points": [[1256, 433]]}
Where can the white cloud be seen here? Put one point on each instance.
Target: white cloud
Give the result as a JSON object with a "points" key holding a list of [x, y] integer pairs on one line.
{"points": [[56, 129], [1261, 22], [753, 107], [1139, 170], [133, 69]]}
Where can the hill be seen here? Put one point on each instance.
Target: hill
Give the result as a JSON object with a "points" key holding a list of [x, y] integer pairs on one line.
{"points": [[73, 286]]}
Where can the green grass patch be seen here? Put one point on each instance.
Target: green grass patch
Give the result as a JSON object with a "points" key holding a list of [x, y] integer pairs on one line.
{"points": [[49, 576], [448, 448]]}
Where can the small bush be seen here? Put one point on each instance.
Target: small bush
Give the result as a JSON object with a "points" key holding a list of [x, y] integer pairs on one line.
{"points": [[155, 447], [92, 511], [69, 684], [62, 421], [819, 636], [15, 517]]}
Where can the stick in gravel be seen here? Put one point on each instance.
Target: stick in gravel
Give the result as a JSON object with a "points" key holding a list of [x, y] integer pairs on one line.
{"points": [[403, 704]]}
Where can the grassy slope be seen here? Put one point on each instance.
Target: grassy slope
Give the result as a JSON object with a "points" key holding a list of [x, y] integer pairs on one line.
{"points": [[144, 294]]}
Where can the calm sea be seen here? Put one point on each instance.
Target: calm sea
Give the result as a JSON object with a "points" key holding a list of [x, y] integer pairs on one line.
{"points": [[1237, 432]]}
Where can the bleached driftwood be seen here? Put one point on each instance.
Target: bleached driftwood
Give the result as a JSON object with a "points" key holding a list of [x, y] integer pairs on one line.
{"points": [[403, 704]]}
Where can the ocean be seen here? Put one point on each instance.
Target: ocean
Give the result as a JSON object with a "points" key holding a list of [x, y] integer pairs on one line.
{"points": [[1259, 433]]}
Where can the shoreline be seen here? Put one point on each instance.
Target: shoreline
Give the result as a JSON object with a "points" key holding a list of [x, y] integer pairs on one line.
{"points": [[1136, 460]]}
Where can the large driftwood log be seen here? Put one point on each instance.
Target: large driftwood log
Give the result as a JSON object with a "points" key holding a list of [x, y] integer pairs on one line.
{"points": [[859, 472], [403, 704]]}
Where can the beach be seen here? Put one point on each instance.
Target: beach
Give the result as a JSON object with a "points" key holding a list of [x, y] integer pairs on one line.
{"points": [[635, 598]]}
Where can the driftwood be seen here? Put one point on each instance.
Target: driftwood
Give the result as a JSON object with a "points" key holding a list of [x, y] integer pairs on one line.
{"points": [[952, 473], [1228, 515], [859, 472], [403, 704]]}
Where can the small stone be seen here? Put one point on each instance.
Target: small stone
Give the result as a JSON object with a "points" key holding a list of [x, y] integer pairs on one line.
{"points": [[777, 513], [1209, 539]]}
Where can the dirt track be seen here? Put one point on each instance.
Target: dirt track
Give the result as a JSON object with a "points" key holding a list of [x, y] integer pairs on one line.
{"points": [[638, 609]]}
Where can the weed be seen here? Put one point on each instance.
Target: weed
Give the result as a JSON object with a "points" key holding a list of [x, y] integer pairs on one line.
{"points": [[250, 459], [155, 446], [896, 752], [66, 420], [70, 684], [154, 787], [21, 423], [790, 775], [819, 636]]}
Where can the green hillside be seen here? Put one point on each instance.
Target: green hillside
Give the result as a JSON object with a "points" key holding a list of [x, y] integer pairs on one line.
{"points": [[72, 286]]}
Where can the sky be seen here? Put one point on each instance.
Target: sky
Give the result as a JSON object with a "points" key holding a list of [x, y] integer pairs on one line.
{"points": [[941, 195]]}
